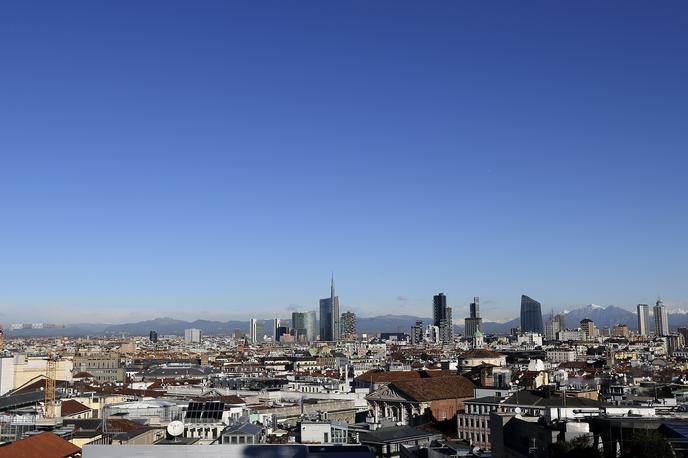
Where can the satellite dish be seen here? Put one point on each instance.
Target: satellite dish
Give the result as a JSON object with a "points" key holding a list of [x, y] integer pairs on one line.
{"points": [[175, 428]]}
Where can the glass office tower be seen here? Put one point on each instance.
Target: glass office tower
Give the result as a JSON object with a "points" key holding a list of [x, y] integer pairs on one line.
{"points": [[531, 315]]}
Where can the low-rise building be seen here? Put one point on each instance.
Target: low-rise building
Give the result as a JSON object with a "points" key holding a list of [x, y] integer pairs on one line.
{"points": [[104, 367], [413, 402], [480, 356]]}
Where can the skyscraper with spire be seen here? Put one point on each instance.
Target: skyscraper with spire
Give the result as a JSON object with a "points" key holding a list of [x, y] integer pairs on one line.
{"points": [[329, 315]]}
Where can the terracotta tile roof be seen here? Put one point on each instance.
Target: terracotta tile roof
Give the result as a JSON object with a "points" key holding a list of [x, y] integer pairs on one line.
{"points": [[72, 407], [227, 399], [39, 385], [83, 375], [438, 373], [44, 445], [232, 399], [432, 389], [122, 425], [378, 376]]}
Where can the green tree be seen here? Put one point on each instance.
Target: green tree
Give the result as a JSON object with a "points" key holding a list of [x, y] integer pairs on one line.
{"points": [[577, 448], [648, 444]]}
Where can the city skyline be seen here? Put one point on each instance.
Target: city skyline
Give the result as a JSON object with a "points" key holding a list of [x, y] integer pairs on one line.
{"points": [[188, 162], [424, 310], [503, 268]]}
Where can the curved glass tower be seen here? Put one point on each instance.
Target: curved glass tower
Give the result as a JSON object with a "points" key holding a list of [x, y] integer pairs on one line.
{"points": [[531, 315]]}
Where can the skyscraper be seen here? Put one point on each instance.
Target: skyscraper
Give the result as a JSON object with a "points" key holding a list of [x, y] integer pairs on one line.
{"points": [[643, 319], [531, 315], [442, 318], [417, 332], [256, 331], [474, 322], [588, 327], [280, 332], [153, 336], [661, 319], [304, 326], [329, 316], [551, 329], [192, 336], [275, 326], [561, 319], [349, 325], [554, 326], [439, 308]]}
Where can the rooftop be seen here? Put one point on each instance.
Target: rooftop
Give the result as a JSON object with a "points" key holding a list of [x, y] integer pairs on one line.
{"points": [[379, 376], [394, 434], [72, 407], [431, 389], [44, 445]]}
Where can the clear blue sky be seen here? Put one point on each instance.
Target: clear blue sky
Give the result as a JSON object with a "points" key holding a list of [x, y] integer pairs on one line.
{"points": [[218, 159]]}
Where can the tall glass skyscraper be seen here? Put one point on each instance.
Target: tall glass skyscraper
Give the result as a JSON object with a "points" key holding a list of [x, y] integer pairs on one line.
{"points": [[474, 322], [256, 330], [304, 325], [329, 316], [531, 315], [442, 318], [439, 308], [661, 319], [643, 319]]}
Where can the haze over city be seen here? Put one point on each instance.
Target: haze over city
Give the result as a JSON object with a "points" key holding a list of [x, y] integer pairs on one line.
{"points": [[220, 161]]}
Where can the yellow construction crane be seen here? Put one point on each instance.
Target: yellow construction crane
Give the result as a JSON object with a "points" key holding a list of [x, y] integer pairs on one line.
{"points": [[50, 377]]}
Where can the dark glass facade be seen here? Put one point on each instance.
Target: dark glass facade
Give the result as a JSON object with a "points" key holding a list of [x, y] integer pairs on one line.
{"points": [[531, 315], [439, 308]]}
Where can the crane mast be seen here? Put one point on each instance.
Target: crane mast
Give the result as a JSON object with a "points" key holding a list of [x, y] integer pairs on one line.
{"points": [[50, 377]]}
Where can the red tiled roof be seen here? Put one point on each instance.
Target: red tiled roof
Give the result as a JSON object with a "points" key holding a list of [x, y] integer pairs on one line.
{"points": [[83, 375], [432, 389], [378, 376], [227, 399], [155, 385], [38, 384], [122, 425], [44, 445], [233, 399], [72, 407]]}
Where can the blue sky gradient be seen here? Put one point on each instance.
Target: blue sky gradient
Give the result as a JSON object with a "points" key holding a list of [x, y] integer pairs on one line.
{"points": [[218, 159]]}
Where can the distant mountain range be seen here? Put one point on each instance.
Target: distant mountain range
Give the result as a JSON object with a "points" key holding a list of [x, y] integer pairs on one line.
{"points": [[602, 316]]}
